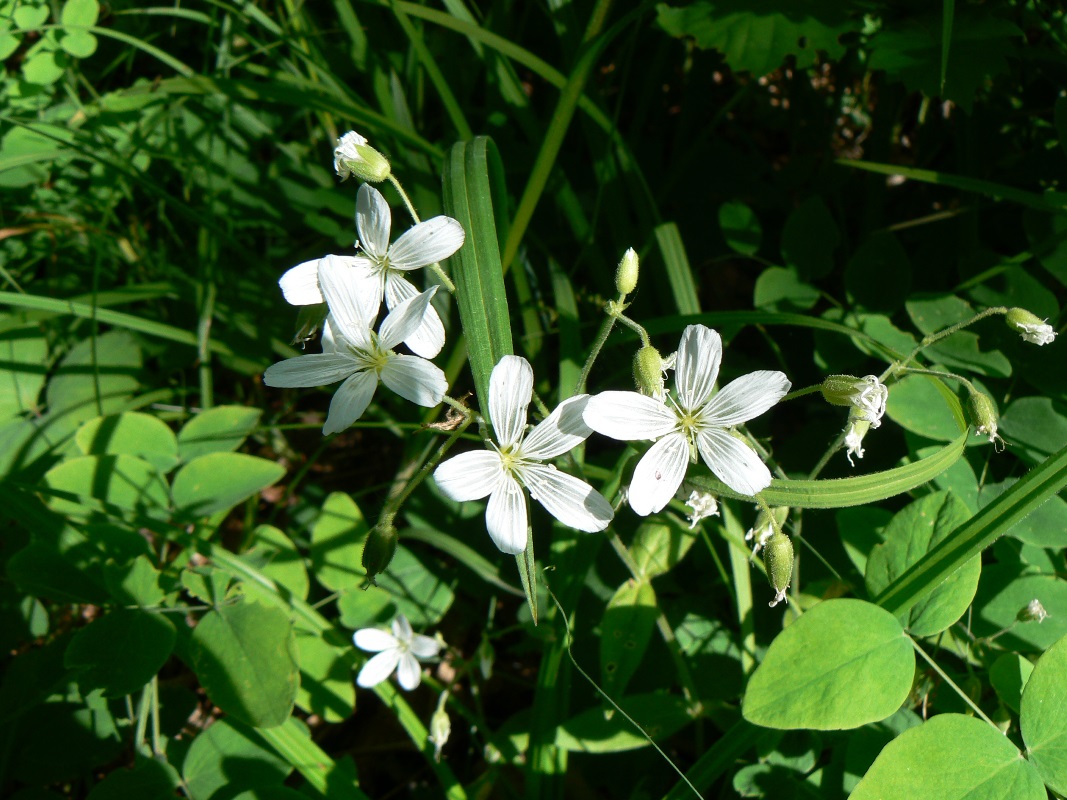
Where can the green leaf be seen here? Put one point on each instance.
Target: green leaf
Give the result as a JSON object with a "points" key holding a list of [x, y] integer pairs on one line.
{"points": [[951, 757], [757, 35], [78, 43], [912, 532], [219, 481], [1045, 526], [1035, 426], [116, 484], [878, 276], [1041, 718], [861, 528], [420, 594], [599, 731], [779, 288], [40, 571], [217, 430], [281, 561], [132, 433], [625, 630], [121, 651], [337, 540], [245, 657], [148, 780], [658, 547], [679, 273], [136, 583], [97, 377], [809, 239], [44, 67], [915, 404], [1008, 675], [24, 353], [1003, 595], [740, 227], [230, 756], [840, 665], [932, 313], [326, 686], [30, 15], [80, 13], [335, 780]]}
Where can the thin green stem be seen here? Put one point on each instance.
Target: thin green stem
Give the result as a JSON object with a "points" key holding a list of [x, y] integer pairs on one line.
{"points": [[963, 695], [634, 326], [802, 392], [435, 267], [940, 374], [934, 338], [594, 353]]}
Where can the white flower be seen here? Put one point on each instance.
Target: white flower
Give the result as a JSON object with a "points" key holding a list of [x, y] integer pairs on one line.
{"points": [[346, 152], [857, 429], [382, 266], [703, 505], [869, 401], [759, 534], [514, 461], [398, 650], [692, 420], [1037, 333], [354, 353]]}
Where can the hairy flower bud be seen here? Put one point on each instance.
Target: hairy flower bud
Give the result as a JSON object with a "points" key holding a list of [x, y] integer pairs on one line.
{"points": [[648, 371], [866, 397], [440, 727], [983, 414], [353, 156], [1032, 328], [778, 559], [379, 550], [1032, 612], [626, 273]]}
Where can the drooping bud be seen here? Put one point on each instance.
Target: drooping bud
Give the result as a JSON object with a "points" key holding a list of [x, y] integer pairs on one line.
{"points": [[626, 273], [778, 559], [1032, 612], [353, 156], [378, 551], [983, 414], [763, 528], [1032, 328], [440, 727], [866, 397], [649, 366], [838, 390]]}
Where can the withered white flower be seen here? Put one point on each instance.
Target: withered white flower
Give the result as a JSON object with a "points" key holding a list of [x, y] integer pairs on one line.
{"points": [[381, 266], [692, 421], [515, 461], [703, 505], [398, 651], [352, 352]]}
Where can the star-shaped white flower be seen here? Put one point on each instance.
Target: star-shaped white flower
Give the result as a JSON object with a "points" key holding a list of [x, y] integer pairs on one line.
{"points": [[399, 650], [515, 461], [381, 266], [355, 354], [692, 421]]}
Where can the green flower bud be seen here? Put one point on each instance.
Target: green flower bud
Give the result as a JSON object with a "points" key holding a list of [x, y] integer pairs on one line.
{"points": [[440, 727], [1032, 612], [866, 397], [778, 559], [626, 273], [1032, 328], [379, 550], [838, 390], [983, 414], [648, 371], [353, 156]]}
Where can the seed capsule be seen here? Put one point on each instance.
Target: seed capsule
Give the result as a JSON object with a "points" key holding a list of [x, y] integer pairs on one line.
{"points": [[778, 559], [379, 550]]}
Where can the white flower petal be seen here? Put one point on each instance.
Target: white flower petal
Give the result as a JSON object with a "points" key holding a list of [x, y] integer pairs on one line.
{"points": [[628, 416], [561, 431], [404, 318], [409, 672], [428, 242], [572, 501], [505, 516], [658, 475], [402, 629], [510, 390], [429, 337], [350, 401], [314, 369], [351, 297], [697, 367], [425, 646], [373, 220], [415, 379], [745, 398], [378, 668], [733, 462], [300, 285], [469, 476], [374, 640]]}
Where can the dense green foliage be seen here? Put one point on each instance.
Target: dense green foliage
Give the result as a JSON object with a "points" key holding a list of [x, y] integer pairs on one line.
{"points": [[829, 185]]}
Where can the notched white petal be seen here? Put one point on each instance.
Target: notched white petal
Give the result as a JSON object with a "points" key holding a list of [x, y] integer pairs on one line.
{"points": [[505, 516], [373, 220], [629, 416], [733, 462], [561, 431], [746, 398], [314, 369], [697, 366], [428, 242], [300, 285], [658, 475], [404, 319], [469, 476], [428, 337], [415, 379], [572, 501], [350, 401], [378, 668], [510, 390], [373, 640]]}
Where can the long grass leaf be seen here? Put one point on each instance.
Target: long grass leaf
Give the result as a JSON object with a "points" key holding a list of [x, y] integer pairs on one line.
{"points": [[683, 287]]}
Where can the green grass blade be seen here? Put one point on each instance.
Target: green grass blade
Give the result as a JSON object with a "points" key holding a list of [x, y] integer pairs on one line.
{"points": [[973, 536], [570, 339], [948, 14], [683, 287], [718, 758], [321, 772], [842, 492]]}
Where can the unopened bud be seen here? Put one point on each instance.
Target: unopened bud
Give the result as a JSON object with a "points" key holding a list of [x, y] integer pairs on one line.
{"points": [[378, 551], [440, 727], [1032, 612], [778, 559], [838, 390], [648, 371], [626, 273], [353, 156], [983, 414], [1032, 328], [763, 528]]}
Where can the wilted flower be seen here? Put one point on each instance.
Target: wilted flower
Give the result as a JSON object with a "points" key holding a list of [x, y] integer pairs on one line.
{"points": [[1032, 328], [703, 505], [857, 429], [398, 651], [353, 156]]}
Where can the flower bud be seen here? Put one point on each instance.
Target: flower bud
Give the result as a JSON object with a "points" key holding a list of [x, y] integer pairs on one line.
{"points": [[866, 397], [626, 273], [1032, 328], [778, 559], [648, 371], [838, 390], [983, 414], [353, 156], [1032, 612], [763, 528], [378, 550], [440, 727]]}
